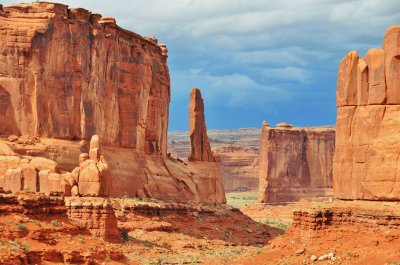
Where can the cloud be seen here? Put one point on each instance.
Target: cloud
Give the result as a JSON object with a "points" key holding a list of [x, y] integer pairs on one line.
{"points": [[231, 89], [250, 54]]}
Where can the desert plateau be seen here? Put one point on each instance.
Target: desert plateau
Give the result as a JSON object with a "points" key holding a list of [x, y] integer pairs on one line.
{"points": [[257, 134]]}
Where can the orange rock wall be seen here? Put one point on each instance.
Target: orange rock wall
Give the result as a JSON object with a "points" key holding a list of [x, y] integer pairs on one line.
{"points": [[295, 163], [67, 73], [368, 123]]}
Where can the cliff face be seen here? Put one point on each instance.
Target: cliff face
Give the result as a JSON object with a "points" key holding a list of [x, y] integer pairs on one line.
{"points": [[67, 74], [368, 124], [295, 163]]}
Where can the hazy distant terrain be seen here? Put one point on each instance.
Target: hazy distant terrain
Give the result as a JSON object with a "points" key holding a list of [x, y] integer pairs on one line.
{"points": [[238, 150]]}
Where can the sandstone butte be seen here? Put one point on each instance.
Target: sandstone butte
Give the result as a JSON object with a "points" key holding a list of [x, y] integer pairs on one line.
{"points": [[366, 161], [295, 163], [69, 74]]}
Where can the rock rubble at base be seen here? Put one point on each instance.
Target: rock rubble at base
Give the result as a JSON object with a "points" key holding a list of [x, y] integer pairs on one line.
{"points": [[42, 175]]}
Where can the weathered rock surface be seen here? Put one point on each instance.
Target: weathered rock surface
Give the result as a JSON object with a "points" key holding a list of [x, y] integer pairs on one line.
{"points": [[95, 214], [200, 149], [201, 160], [295, 163], [42, 175], [344, 231], [99, 78], [92, 175], [366, 164]]}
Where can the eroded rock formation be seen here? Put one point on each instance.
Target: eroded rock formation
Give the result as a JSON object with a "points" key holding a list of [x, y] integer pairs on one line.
{"points": [[98, 78], [38, 174], [68, 74], [200, 149], [295, 163], [95, 214], [201, 159], [368, 125]]}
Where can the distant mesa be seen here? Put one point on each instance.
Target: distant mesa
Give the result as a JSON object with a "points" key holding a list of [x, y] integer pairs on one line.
{"points": [[265, 124], [295, 163], [284, 125]]}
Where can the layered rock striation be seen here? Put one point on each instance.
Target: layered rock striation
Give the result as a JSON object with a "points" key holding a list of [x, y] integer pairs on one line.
{"points": [[95, 214], [366, 161], [295, 163], [68, 74]]}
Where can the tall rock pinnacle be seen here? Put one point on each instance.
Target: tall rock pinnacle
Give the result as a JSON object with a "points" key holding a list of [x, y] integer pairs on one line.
{"points": [[200, 149]]}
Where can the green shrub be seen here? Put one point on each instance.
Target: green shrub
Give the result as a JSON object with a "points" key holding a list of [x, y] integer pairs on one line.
{"points": [[55, 223], [21, 227], [124, 235], [36, 222], [25, 246]]}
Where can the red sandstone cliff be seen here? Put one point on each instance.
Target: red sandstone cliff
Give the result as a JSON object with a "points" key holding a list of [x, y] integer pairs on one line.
{"points": [[295, 163], [368, 125], [67, 74]]}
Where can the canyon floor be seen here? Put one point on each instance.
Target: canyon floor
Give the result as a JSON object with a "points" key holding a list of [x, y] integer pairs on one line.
{"points": [[157, 232]]}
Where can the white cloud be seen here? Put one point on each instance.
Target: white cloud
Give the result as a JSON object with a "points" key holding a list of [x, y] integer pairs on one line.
{"points": [[295, 74], [231, 89], [248, 53]]}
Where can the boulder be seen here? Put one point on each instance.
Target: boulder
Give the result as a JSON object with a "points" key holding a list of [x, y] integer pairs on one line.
{"points": [[83, 157], [13, 180], [30, 177], [41, 163], [54, 183], [44, 182], [94, 177], [5, 150], [94, 154]]}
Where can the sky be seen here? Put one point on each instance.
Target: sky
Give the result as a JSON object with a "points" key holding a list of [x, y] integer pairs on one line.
{"points": [[254, 60]]}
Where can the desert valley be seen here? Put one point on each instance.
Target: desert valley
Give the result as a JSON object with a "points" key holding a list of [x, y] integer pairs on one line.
{"points": [[90, 172]]}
